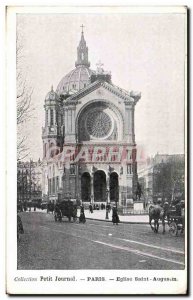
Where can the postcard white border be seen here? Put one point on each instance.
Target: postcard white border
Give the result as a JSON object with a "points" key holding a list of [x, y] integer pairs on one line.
{"points": [[77, 287]]}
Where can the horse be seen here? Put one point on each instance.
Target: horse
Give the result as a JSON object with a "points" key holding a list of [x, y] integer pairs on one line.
{"points": [[50, 208], [156, 213]]}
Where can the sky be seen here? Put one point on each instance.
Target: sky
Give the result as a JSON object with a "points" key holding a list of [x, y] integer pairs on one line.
{"points": [[144, 52]]}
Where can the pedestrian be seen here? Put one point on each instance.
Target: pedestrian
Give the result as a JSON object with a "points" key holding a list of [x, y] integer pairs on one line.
{"points": [[178, 209], [25, 206], [20, 229], [115, 217], [82, 218], [90, 208]]}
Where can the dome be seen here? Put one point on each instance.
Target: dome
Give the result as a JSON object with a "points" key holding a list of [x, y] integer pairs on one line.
{"points": [[51, 95], [75, 80]]}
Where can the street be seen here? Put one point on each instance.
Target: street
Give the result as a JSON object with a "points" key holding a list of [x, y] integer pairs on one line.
{"points": [[47, 244]]}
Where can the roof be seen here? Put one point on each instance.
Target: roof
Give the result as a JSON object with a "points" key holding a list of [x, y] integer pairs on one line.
{"points": [[51, 95], [75, 80]]}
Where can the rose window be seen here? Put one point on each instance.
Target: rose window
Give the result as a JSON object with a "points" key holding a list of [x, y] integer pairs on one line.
{"points": [[98, 124]]}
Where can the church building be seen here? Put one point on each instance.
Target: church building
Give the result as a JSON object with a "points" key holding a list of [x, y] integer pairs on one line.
{"points": [[89, 149]]}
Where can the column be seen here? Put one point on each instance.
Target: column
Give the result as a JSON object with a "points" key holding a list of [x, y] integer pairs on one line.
{"points": [[73, 120], [129, 122], [133, 124], [54, 116], [119, 186], [66, 121], [92, 188], [108, 188]]}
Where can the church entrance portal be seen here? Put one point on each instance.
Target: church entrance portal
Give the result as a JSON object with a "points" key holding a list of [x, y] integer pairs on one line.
{"points": [[85, 187], [100, 186], [114, 187]]}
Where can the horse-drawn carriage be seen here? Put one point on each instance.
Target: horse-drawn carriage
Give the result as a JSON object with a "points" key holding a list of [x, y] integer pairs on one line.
{"points": [[176, 219], [65, 208], [173, 215]]}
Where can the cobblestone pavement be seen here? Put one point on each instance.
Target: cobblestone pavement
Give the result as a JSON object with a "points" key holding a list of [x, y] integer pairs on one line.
{"points": [[95, 245]]}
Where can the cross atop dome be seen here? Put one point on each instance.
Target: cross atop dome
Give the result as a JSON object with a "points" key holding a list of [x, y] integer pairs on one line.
{"points": [[82, 28]]}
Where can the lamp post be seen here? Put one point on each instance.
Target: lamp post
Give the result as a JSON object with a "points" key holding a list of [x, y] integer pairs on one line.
{"points": [[107, 213]]}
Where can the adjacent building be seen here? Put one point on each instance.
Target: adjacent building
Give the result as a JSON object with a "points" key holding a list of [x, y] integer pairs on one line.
{"points": [[162, 177], [29, 181]]}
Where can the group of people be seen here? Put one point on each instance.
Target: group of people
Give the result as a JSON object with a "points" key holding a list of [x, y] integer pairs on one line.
{"points": [[115, 217], [96, 207], [26, 207]]}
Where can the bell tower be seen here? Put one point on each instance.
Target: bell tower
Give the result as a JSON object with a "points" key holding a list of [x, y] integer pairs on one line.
{"points": [[82, 52], [52, 132]]}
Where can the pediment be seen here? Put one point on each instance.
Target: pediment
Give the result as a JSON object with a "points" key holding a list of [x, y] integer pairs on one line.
{"points": [[102, 89]]}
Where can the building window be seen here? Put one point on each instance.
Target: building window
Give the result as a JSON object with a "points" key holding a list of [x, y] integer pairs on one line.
{"points": [[57, 183], [46, 116], [129, 169], [52, 150], [53, 185], [49, 186], [51, 117], [44, 150], [72, 169], [56, 117]]}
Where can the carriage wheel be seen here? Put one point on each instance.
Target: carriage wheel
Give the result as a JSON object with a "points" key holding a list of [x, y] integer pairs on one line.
{"points": [[173, 229]]}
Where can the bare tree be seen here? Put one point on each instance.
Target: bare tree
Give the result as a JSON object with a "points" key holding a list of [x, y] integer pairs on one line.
{"points": [[24, 105]]}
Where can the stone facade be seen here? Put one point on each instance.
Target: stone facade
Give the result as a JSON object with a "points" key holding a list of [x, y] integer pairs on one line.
{"points": [[89, 144]]}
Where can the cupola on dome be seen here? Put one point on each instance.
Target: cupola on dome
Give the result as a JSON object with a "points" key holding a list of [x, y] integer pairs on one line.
{"points": [[79, 77], [52, 95]]}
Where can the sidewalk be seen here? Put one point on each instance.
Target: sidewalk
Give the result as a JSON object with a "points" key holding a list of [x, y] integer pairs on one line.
{"points": [[100, 215]]}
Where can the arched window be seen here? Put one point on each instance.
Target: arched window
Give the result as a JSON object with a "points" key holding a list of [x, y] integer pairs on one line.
{"points": [[52, 149], [45, 150], [56, 117], [57, 183], [46, 116], [51, 117]]}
